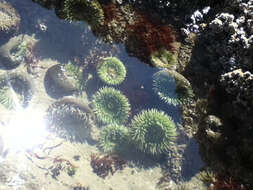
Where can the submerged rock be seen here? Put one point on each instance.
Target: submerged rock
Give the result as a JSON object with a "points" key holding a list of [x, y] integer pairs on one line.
{"points": [[58, 83]]}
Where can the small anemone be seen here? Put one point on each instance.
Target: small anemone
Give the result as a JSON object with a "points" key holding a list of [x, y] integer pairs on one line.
{"points": [[164, 58], [111, 106], [112, 71], [172, 87], [113, 138], [153, 131], [69, 120]]}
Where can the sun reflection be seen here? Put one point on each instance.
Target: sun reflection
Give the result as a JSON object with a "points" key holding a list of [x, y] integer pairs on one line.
{"points": [[25, 130]]}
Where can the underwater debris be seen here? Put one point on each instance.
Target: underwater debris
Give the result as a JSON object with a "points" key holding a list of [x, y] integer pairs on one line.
{"points": [[153, 131], [111, 106], [113, 138], [103, 165], [111, 71], [172, 87]]}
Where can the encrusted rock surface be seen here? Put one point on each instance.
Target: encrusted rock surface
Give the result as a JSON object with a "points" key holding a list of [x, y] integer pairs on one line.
{"points": [[239, 86]]}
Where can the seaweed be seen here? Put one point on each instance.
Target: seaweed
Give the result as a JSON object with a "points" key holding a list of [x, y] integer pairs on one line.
{"points": [[103, 165]]}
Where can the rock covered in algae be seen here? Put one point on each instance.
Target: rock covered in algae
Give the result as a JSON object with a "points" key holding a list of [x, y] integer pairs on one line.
{"points": [[172, 87], [70, 118], [61, 80], [9, 19], [16, 50]]}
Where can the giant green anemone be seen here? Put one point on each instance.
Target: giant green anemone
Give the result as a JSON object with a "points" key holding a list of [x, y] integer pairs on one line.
{"points": [[172, 87], [87, 10], [69, 120], [113, 138], [112, 71], [111, 106], [152, 131]]}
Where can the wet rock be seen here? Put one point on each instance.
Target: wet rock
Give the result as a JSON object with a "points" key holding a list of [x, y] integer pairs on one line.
{"points": [[57, 83], [238, 85]]}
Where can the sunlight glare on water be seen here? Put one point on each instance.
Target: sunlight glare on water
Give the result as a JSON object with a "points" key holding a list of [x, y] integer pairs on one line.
{"points": [[26, 129]]}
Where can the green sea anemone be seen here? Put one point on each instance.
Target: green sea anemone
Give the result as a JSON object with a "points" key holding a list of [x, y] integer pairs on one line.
{"points": [[153, 131], [113, 138], [87, 10], [111, 106], [112, 71], [69, 120], [164, 58], [172, 87]]}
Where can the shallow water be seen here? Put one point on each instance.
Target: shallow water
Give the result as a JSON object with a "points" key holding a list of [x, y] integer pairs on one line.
{"points": [[46, 163]]}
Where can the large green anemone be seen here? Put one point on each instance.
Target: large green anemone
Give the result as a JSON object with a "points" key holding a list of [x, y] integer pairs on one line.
{"points": [[111, 106], [87, 10], [113, 138], [112, 71], [172, 87], [153, 131], [69, 120]]}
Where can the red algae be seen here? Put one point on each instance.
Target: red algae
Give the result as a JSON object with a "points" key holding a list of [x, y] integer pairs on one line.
{"points": [[224, 182], [142, 33], [110, 12], [150, 35]]}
